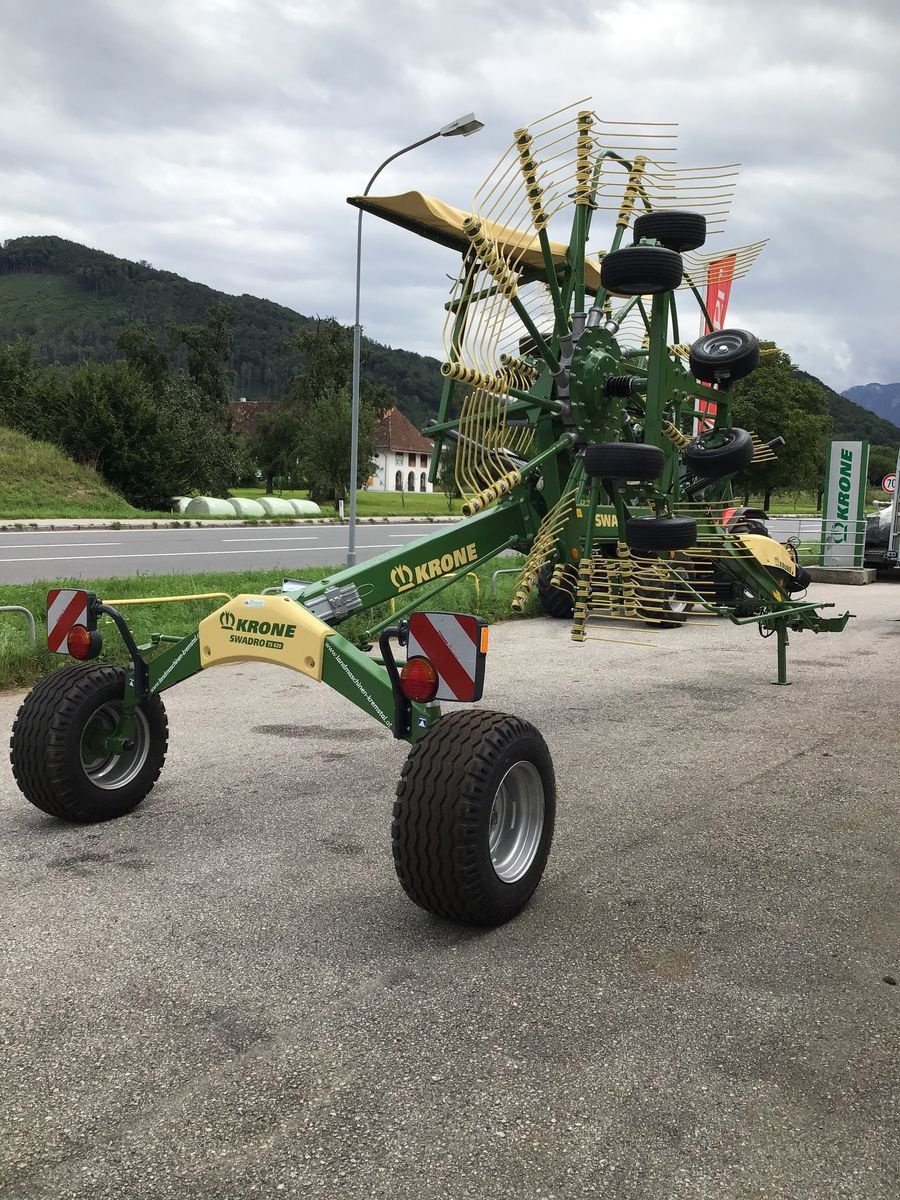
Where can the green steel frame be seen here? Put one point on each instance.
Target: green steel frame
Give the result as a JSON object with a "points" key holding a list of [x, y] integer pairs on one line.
{"points": [[661, 393]]}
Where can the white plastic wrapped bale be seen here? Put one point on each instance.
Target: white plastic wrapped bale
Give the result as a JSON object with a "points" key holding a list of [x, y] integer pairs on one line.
{"points": [[305, 508], [274, 506], [208, 506], [180, 503], [245, 507]]}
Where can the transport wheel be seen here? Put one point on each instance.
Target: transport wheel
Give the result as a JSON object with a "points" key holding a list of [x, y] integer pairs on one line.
{"points": [[679, 231], [719, 452], [724, 354], [556, 600], [641, 270], [660, 533], [57, 752], [660, 601], [624, 460], [473, 818]]}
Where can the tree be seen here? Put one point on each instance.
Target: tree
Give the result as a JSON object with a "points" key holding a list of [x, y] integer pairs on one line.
{"points": [[775, 402], [446, 476], [324, 459], [882, 461], [276, 444], [326, 349], [209, 349], [143, 351]]}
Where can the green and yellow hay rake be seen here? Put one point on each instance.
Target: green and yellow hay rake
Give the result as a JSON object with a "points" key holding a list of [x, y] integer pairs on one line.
{"points": [[584, 431]]}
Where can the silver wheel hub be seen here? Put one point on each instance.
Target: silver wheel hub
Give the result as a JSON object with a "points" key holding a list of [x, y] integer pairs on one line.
{"points": [[516, 821], [106, 769]]}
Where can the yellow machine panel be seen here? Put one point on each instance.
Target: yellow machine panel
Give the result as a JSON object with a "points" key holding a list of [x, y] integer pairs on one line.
{"points": [[273, 629], [768, 552]]}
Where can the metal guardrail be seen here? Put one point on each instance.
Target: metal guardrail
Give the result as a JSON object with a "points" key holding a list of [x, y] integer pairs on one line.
{"points": [[504, 571], [28, 615]]}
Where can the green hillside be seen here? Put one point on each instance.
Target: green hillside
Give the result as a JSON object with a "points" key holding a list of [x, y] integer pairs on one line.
{"points": [[39, 480], [74, 302], [852, 422]]}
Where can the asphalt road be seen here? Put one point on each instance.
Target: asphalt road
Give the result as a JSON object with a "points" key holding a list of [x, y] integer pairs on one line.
{"points": [[227, 994], [99, 553]]}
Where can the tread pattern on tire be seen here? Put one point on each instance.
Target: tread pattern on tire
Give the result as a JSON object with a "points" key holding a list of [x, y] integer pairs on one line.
{"points": [[676, 230], [716, 461], [556, 601], [38, 745], [641, 270], [435, 840], [624, 460], [660, 533]]}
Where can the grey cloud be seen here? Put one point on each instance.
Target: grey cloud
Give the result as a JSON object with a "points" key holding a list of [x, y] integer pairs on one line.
{"points": [[220, 140]]}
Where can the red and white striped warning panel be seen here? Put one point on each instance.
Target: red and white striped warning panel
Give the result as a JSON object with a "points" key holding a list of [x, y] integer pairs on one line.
{"points": [[65, 608], [455, 644]]}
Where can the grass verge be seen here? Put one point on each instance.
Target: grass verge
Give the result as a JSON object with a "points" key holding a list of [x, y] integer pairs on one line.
{"points": [[20, 666]]}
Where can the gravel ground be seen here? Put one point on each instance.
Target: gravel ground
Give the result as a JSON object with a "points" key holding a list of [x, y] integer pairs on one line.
{"points": [[226, 994]]}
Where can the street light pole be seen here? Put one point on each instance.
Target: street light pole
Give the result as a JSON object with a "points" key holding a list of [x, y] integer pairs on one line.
{"points": [[461, 127]]}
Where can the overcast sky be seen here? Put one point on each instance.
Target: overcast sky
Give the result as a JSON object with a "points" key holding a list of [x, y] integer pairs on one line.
{"points": [[220, 138]]}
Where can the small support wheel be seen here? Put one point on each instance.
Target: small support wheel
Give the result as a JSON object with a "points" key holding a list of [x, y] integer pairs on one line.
{"points": [[473, 818], [58, 747], [724, 354], [641, 271], [557, 600], [624, 460], [659, 599], [655, 534], [679, 231], [719, 452]]}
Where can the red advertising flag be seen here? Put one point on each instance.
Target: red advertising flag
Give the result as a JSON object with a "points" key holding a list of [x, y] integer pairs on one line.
{"points": [[719, 275]]}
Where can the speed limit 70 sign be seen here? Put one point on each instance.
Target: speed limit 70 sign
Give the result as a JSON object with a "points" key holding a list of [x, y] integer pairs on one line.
{"points": [[889, 483]]}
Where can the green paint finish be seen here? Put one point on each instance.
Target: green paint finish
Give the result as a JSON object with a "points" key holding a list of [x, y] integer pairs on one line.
{"points": [[366, 683], [178, 662]]}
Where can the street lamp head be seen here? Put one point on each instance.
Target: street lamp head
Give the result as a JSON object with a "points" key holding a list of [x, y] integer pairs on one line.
{"points": [[462, 126]]}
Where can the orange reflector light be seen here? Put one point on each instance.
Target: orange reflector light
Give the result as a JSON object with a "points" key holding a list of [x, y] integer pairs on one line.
{"points": [[483, 648], [82, 642], [418, 680]]}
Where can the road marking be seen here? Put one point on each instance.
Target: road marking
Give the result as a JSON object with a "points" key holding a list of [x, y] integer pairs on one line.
{"points": [[312, 538], [178, 554], [65, 545]]}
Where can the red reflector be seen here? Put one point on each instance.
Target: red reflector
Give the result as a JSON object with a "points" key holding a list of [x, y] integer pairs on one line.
{"points": [[418, 680], [82, 643]]}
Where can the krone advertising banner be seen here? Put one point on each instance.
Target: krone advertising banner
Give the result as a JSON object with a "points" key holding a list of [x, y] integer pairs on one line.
{"points": [[844, 526], [718, 290]]}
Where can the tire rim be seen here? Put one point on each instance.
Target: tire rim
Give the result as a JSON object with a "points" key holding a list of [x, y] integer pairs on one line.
{"points": [[724, 343], [106, 770], [516, 821]]}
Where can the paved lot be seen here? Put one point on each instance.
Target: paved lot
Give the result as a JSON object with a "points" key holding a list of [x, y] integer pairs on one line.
{"points": [[227, 994]]}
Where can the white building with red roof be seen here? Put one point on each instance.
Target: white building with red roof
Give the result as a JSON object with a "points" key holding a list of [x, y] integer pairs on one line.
{"points": [[402, 456]]}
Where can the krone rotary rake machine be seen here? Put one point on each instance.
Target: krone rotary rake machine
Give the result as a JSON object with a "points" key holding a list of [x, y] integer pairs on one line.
{"points": [[586, 433]]}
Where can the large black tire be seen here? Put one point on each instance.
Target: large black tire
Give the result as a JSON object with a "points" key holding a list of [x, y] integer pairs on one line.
{"points": [[624, 460], [641, 271], [679, 231], [655, 534], [557, 601], [455, 829], [724, 354], [719, 452], [53, 763]]}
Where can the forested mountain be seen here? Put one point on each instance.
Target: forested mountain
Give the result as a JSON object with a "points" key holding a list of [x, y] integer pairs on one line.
{"points": [[73, 302], [852, 422], [880, 398]]}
